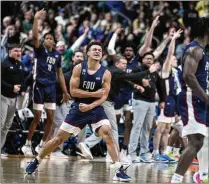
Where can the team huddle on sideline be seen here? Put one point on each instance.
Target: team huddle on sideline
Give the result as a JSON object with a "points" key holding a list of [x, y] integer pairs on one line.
{"points": [[98, 95]]}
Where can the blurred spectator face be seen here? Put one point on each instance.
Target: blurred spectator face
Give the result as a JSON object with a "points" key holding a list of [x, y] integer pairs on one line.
{"points": [[15, 53], [49, 41], [129, 53], [78, 57], [31, 6], [60, 47], [108, 17], [191, 6], [95, 52], [11, 30], [93, 17], [28, 15], [17, 23], [70, 29], [6, 21], [174, 61], [59, 28], [148, 60], [122, 64], [62, 12], [141, 15], [51, 14], [130, 37], [86, 24], [171, 31]]}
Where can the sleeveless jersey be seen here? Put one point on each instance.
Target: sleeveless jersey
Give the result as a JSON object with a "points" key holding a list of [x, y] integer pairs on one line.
{"points": [[202, 72], [45, 67], [89, 82], [174, 82]]}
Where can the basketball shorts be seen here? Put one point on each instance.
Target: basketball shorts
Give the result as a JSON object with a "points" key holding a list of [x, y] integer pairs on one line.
{"points": [[171, 106], [123, 102], [164, 119], [77, 120], [193, 113], [179, 127], [44, 96]]}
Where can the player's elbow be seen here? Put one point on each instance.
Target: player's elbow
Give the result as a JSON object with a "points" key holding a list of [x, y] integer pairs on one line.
{"points": [[187, 77], [72, 92]]}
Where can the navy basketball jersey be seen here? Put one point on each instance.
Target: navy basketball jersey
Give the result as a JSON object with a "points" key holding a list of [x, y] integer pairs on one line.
{"points": [[174, 82], [45, 67], [202, 69], [130, 66], [89, 82]]}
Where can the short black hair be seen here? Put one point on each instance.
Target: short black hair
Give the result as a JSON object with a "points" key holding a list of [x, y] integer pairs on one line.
{"points": [[94, 43], [148, 53], [129, 45], [49, 33], [11, 46], [200, 28]]}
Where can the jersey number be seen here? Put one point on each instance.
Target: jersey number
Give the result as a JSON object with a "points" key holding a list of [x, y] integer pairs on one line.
{"points": [[50, 67]]}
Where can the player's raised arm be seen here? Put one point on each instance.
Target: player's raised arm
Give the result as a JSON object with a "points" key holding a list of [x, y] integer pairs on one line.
{"points": [[148, 37], [167, 66], [38, 15], [191, 60], [75, 83]]}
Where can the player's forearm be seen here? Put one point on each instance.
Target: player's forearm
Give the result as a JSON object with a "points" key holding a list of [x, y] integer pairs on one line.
{"points": [[133, 76], [192, 82], [78, 42], [35, 29], [62, 83], [111, 46], [99, 101], [167, 65], [158, 51], [79, 93], [147, 42]]}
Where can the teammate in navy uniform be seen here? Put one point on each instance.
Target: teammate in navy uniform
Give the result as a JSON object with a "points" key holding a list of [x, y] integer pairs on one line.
{"points": [[171, 73], [90, 86], [193, 100], [47, 65]]}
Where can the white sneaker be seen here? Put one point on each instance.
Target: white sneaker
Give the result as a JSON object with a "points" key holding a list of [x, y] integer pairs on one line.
{"points": [[58, 153], [134, 158], [85, 151], [4, 154], [108, 158], [26, 149], [38, 148], [125, 157]]}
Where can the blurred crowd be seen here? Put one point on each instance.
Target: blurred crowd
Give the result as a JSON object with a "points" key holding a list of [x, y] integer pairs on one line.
{"points": [[69, 20]]}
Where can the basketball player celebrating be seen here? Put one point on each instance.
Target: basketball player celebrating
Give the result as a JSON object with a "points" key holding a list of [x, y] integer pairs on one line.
{"points": [[193, 99], [202, 175], [47, 64], [89, 85], [171, 74]]}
